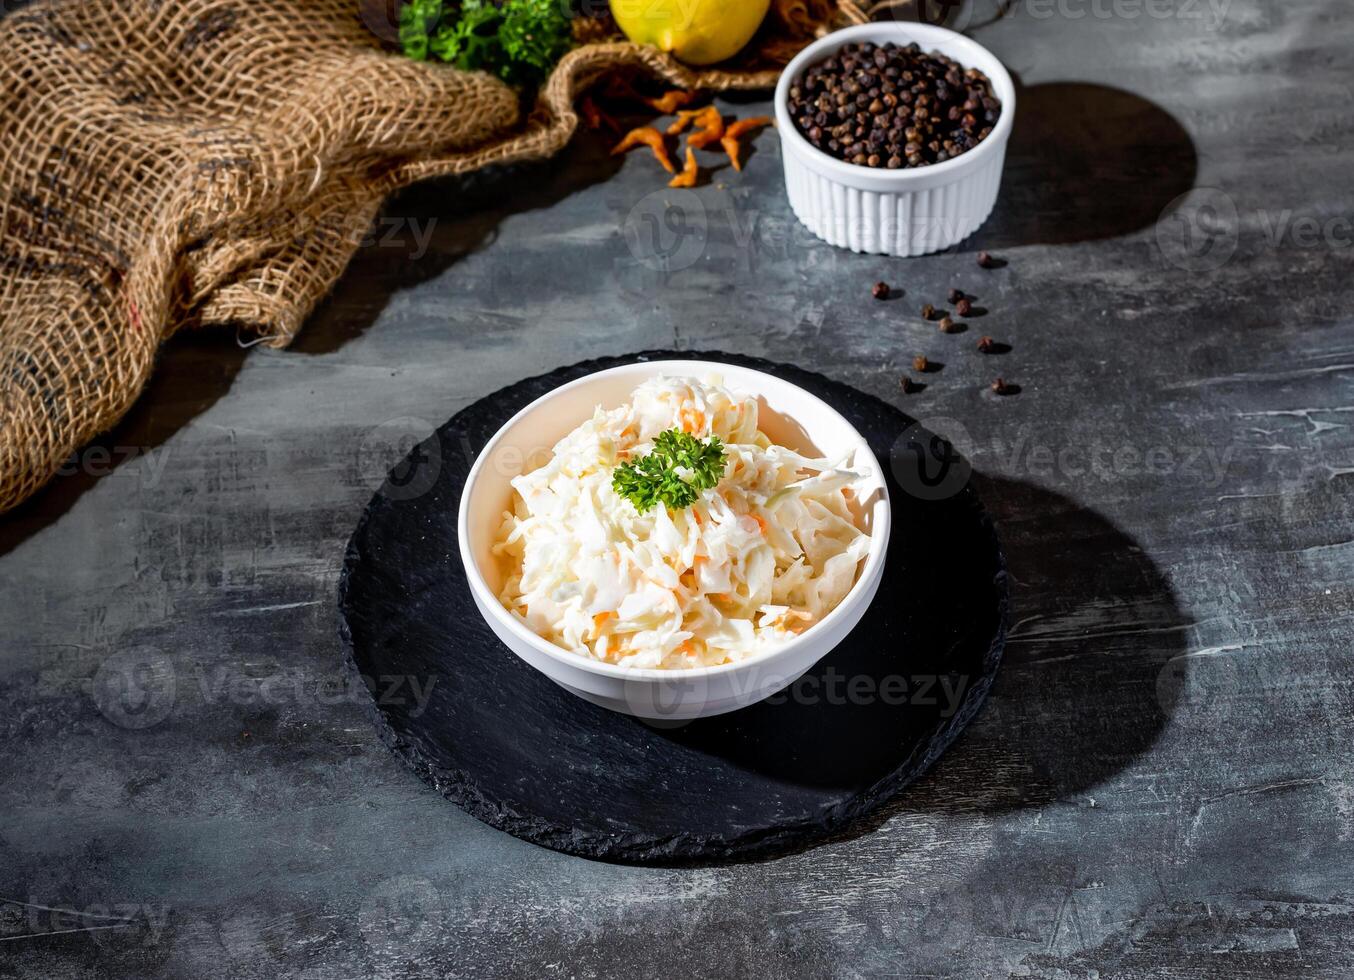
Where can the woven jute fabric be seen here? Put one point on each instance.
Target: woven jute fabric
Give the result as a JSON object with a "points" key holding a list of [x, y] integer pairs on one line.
{"points": [[179, 163]]}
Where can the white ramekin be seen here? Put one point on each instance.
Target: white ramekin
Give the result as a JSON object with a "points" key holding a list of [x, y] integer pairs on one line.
{"points": [[790, 416], [895, 212]]}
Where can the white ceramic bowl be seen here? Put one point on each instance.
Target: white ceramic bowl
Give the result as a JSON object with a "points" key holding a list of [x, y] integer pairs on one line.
{"points": [[895, 212], [790, 416]]}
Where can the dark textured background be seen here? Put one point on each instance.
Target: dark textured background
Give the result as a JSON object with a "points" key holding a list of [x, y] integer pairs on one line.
{"points": [[1162, 776]]}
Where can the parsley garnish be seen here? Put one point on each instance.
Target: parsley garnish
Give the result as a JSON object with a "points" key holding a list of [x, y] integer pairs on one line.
{"points": [[654, 477], [517, 40]]}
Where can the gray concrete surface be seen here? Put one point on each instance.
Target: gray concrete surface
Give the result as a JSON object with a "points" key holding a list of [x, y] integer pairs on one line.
{"points": [[1161, 783]]}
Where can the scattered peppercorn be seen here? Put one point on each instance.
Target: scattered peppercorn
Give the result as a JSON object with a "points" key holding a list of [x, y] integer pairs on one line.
{"points": [[955, 296], [880, 290], [928, 312], [908, 385], [890, 106], [987, 260], [987, 345], [946, 324], [1002, 387], [963, 307], [920, 364]]}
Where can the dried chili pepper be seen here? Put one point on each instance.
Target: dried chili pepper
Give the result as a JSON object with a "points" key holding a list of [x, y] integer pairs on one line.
{"points": [[594, 117], [711, 128], [690, 173], [650, 137], [730, 139], [670, 102], [685, 117]]}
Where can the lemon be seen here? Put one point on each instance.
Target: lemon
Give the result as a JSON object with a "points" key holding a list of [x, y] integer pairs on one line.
{"points": [[698, 32]]}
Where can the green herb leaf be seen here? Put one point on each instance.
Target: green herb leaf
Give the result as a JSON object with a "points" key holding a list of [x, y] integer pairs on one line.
{"points": [[418, 19], [655, 478], [517, 40]]}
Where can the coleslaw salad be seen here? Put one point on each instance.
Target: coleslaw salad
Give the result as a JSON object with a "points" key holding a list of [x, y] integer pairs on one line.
{"points": [[764, 555]]}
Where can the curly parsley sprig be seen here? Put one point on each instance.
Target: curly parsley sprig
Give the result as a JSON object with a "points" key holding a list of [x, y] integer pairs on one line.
{"points": [[656, 478], [517, 40]]}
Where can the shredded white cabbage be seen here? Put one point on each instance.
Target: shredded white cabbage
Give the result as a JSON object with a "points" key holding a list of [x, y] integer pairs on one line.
{"points": [[760, 558]]}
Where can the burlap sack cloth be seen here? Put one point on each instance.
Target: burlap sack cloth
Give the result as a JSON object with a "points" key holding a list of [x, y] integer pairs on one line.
{"points": [[179, 163]]}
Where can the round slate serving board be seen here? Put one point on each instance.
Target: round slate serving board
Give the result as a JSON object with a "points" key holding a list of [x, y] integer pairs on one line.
{"points": [[504, 743]]}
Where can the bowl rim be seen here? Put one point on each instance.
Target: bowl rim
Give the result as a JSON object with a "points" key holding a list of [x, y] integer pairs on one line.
{"points": [[906, 33], [487, 600]]}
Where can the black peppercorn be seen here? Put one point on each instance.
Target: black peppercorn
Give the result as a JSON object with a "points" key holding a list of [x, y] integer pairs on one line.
{"points": [[903, 106], [963, 307], [880, 290]]}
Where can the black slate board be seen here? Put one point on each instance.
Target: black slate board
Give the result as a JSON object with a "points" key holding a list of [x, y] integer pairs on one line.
{"points": [[504, 743]]}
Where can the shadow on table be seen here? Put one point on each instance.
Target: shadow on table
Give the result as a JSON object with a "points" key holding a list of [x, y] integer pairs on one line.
{"points": [[193, 370], [427, 228], [1086, 162], [1087, 682], [1091, 674]]}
